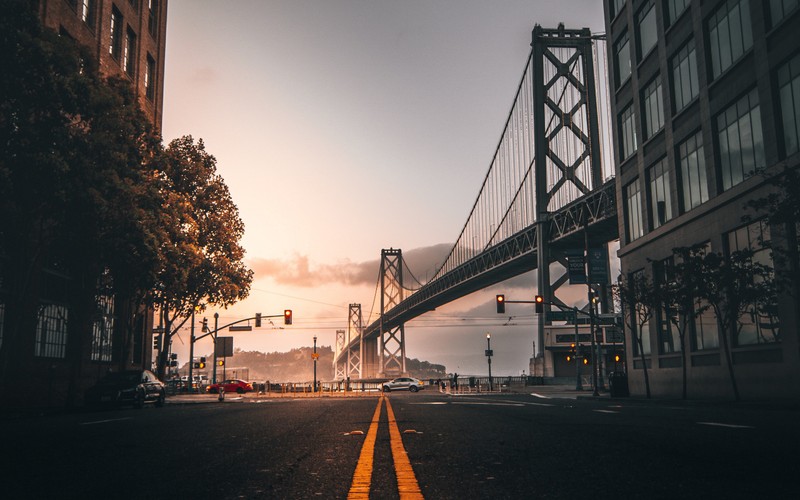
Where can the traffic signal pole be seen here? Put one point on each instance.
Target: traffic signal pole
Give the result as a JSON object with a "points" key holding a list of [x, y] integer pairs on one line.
{"points": [[287, 318]]}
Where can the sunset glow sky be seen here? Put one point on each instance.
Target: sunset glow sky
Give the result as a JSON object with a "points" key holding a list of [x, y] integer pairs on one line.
{"points": [[343, 127]]}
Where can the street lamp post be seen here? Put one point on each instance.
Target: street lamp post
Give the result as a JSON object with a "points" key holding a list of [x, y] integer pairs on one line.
{"points": [[214, 372], [315, 365], [489, 358]]}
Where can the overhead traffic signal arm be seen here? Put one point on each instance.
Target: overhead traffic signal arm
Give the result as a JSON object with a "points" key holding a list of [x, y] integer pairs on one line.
{"points": [[287, 319], [538, 301]]}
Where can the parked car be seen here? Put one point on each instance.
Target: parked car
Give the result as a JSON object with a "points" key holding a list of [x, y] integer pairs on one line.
{"points": [[135, 387], [232, 385], [403, 384]]}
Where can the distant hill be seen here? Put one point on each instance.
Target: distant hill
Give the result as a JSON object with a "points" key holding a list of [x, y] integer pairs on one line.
{"points": [[298, 366]]}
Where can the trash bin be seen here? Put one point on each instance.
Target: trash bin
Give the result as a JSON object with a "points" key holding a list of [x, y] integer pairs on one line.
{"points": [[618, 384]]}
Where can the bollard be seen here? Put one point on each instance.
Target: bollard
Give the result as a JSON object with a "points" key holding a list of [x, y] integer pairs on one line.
{"points": [[221, 394]]}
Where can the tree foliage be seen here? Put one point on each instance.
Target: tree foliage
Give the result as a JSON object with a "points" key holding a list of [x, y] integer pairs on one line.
{"points": [[637, 292], [87, 188]]}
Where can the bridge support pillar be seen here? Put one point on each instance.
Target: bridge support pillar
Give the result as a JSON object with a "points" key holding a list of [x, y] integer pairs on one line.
{"points": [[392, 340]]}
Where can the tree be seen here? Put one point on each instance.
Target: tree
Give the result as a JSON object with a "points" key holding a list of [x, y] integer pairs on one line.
{"points": [[640, 296], [679, 299], [74, 182], [732, 286], [203, 262]]}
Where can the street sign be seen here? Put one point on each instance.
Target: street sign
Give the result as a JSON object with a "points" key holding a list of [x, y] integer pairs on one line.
{"points": [[241, 328], [576, 267], [607, 319], [598, 265], [490, 352], [315, 355], [560, 315], [224, 347]]}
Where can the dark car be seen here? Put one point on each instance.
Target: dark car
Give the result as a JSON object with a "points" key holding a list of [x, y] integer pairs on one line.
{"points": [[135, 387], [232, 385]]}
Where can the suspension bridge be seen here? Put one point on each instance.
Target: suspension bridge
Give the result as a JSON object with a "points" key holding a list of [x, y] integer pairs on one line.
{"points": [[549, 190]]}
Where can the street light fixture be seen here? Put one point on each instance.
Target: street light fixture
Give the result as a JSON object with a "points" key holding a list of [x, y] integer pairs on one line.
{"points": [[315, 364]]}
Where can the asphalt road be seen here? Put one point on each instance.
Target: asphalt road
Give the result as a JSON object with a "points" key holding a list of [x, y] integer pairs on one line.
{"points": [[459, 447]]}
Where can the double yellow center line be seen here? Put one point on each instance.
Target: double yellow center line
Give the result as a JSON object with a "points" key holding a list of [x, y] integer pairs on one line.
{"points": [[407, 485]]}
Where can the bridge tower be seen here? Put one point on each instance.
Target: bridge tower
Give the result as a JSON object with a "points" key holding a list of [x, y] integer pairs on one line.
{"points": [[340, 362], [566, 138], [355, 356], [392, 341]]}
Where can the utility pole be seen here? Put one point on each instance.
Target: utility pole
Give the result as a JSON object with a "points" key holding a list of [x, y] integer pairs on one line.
{"points": [[214, 372], [489, 358], [315, 364], [191, 355]]}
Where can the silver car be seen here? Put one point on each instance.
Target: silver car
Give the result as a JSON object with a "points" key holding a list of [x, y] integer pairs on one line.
{"points": [[403, 384]]}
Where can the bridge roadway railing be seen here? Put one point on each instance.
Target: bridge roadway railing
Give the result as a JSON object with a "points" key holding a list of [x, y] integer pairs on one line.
{"points": [[595, 213]]}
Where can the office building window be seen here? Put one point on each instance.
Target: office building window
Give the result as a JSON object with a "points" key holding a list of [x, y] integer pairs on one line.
{"points": [[780, 9], [758, 325], [627, 133], [741, 143], [103, 329], [675, 8], [789, 92], [652, 108], [115, 45], [665, 318], [149, 78], [685, 85], [730, 34], [152, 17], [694, 181], [87, 12], [616, 6], [648, 32], [622, 59], [633, 212], [129, 56], [51, 332], [705, 330], [660, 203]]}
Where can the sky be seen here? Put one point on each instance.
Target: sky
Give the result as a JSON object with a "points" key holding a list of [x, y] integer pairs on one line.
{"points": [[343, 127]]}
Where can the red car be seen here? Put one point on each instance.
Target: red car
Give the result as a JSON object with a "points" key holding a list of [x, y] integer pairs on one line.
{"points": [[232, 385]]}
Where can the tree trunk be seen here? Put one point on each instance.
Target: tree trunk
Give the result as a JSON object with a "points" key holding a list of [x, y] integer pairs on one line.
{"points": [[644, 365]]}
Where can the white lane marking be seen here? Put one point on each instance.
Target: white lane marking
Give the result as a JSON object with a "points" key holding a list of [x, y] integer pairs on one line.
{"points": [[486, 404], [106, 421], [541, 396], [605, 411], [731, 426], [433, 403]]}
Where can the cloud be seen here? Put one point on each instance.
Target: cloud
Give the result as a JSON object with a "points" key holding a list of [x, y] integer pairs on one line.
{"points": [[204, 75], [300, 271]]}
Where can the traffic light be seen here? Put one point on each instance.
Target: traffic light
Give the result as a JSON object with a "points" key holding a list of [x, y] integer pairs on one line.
{"points": [[157, 343], [205, 325], [202, 363], [196, 365], [501, 304], [539, 301], [220, 362], [287, 316], [258, 320], [571, 353]]}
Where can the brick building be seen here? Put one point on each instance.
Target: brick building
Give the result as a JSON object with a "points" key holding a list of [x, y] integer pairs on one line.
{"points": [[704, 93], [127, 37]]}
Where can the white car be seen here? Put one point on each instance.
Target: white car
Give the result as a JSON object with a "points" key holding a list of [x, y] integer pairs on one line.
{"points": [[403, 384]]}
